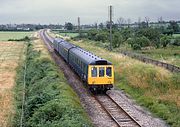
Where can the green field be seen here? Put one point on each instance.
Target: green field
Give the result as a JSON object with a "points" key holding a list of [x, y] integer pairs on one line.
{"points": [[67, 34], [169, 55], [5, 36], [176, 35]]}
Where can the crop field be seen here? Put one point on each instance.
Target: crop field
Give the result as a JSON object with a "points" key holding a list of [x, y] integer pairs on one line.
{"points": [[4, 36], [151, 86], [11, 54], [169, 55]]}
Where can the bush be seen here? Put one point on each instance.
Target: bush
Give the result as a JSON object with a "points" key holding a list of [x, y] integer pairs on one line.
{"points": [[165, 40], [50, 101], [117, 40], [176, 42], [152, 34], [26, 38], [136, 47], [101, 36]]}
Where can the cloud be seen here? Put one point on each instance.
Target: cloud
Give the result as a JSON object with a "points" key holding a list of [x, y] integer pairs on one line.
{"points": [[90, 11]]}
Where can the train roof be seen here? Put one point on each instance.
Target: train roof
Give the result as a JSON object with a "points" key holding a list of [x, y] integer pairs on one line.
{"points": [[58, 40], [86, 56], [64, 43], [89, 57]]}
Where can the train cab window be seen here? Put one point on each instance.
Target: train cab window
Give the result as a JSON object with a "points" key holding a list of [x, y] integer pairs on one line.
{"points": [[101, 72], [109, 71], [94, 72]]}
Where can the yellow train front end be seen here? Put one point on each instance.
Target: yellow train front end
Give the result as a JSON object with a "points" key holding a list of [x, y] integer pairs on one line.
{"points": [[100, 77]]}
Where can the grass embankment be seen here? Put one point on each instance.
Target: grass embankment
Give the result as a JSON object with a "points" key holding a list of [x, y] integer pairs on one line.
{"points": [[11, 54], [4, 36], [168, 55], [153, 87], [50, 102]]}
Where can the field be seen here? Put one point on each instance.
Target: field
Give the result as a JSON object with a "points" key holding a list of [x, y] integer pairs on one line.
{"points": [[4, 36], [168, 55], [11, 54], [67, 34], [176, 35], [151, 86]]}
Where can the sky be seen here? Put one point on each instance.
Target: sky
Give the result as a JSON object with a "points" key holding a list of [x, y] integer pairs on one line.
{"points": [[89, 11]]}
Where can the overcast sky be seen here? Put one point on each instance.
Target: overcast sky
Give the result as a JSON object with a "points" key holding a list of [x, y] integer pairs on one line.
{"points": [[90, 11]]}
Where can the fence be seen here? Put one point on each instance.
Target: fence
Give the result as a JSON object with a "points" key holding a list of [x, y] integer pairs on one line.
{"points": [[144, 59]]}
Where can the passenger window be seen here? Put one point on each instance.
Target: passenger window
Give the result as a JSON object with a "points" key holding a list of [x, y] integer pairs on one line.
{"points": [[94, 72], [108, 71], [101, 72]]}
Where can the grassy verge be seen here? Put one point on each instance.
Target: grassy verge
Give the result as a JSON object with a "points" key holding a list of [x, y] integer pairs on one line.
{"points": [[50, 102], [153, 87]]}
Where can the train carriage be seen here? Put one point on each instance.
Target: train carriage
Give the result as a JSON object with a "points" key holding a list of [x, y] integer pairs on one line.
{"points": [[98, 73]]}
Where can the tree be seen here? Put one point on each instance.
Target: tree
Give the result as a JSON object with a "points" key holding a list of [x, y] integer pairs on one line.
{"points": [[101, 36], [128, 22], [69, 26], [165, 40], [117, 39], [92, 34], [101, 26], [127, 33], [139, 22], [152, 34], [174, 25], [120, 21], [176, 42], [147, 19], [96, 26]]}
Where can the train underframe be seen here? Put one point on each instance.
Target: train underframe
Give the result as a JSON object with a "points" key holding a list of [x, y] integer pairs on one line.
{"points": [[102, 88]]}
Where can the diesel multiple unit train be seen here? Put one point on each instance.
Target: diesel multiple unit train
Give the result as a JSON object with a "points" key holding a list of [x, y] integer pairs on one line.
{"points": [[96, 72]]}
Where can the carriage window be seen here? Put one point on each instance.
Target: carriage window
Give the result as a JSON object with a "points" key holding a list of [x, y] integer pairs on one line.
{"points": [[101, 72], [94, 72], [108, 71]]}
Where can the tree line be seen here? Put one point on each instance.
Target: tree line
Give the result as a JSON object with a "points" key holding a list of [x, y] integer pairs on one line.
{"points": [[138, 37]]}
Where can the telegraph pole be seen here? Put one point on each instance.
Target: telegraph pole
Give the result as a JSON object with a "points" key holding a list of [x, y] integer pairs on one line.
{"points": [[79, 26], [110, 23]]}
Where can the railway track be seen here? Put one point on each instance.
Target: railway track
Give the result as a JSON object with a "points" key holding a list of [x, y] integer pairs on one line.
{"points": [[112, 109], [117, 113], [102, 109]]}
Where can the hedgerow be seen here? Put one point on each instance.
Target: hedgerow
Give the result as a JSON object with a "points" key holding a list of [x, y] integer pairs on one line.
{"points": [[49, 101]]}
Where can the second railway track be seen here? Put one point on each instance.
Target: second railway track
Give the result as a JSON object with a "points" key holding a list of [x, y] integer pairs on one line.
{"points": [[117, 113]]}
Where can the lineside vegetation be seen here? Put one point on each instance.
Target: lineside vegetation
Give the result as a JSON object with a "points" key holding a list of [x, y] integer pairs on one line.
{"points": [[49, 101]]}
